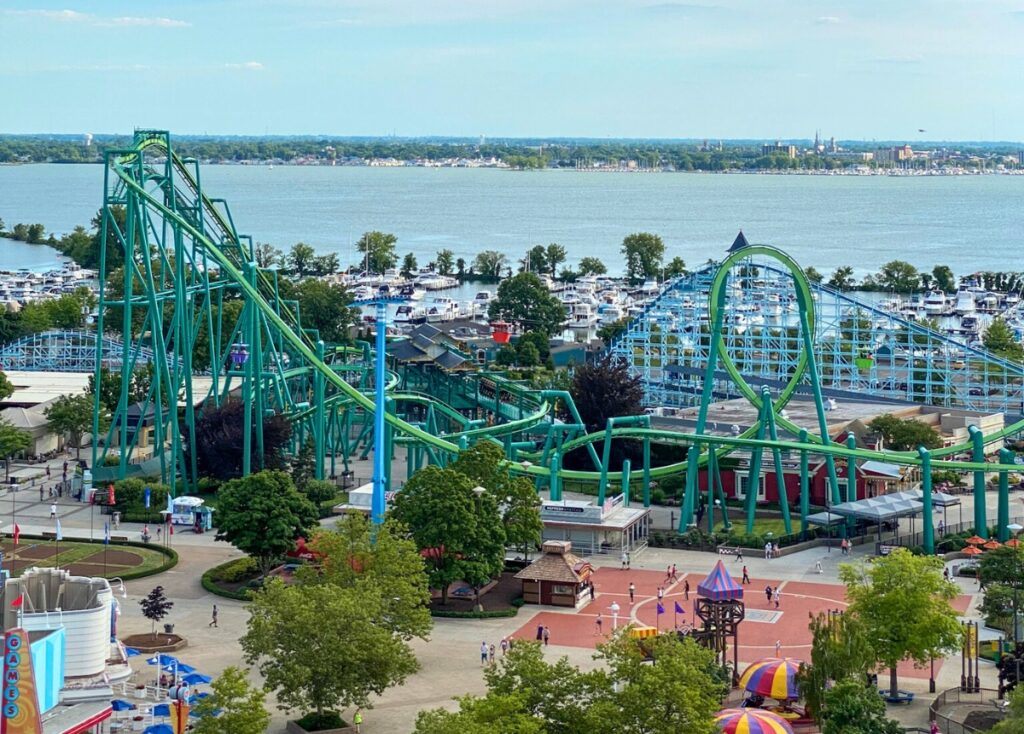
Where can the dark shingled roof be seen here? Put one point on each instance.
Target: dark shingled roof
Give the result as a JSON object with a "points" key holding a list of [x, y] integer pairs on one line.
{"points": [[739, 243], [449, 360]]}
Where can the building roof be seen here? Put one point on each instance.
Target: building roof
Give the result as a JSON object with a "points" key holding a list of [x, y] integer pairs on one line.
{"points": [[34, 388], [739, 243], [24, 418], [720, 585], [565, 568]]}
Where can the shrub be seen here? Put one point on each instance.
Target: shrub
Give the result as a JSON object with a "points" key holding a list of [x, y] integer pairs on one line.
{"points": [[486, 614], [658, 496], [235, 571], [318, 722], [130, 496]]}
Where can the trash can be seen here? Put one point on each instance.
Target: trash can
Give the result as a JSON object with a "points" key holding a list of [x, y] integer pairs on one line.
{"points": [[347, 479], [169, 629]]}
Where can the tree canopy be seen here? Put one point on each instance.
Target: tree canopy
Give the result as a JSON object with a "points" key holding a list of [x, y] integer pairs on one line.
{"points": [[853, 708], [592, 266], [445, 261], [220, 441], [459, 530], [524, 301], [490, 263], [325, 307], [904, 604], [842, 279], [262, 515], [643, 252], [898, 276], [378, 249], [234, 706], [73, 415], [905, 434], [13, 440], [840, 651], [998, 339]]}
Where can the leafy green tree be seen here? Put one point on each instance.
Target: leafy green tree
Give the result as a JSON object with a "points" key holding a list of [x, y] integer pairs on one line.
{"points": [[905, 435], [110, 386], [998, 339], [326, 264], [380, 564], [840, 651], [234, 706], [301, 258], [485, 464], [445, 261], [904, 603], [1, 225], [6, 388], [813, 275], [853, 708], [676, 266], [555, 255], [72, 415], [35, 233], [507, 356], [13, 441], [379, 250], [460, 267], [20, 232], [523, 300], [536, 260], [262, 515], [325, 307], [605, 389], [1014, 721], [1003, 566], [898, 276], [592, 266], [409, 265], [539, 341], [609, 332], [944, 278], [568, 275], [267, 256], [489, 263], [643, 252], [469, 543], [303, 466], [842, 279], [319, 649], [319, 491], [527, 355]]}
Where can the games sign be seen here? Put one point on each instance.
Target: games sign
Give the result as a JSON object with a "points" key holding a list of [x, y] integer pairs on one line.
{"points": [[20, 711]]}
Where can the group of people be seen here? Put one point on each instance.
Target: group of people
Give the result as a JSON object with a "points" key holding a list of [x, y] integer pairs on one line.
{"points": [[773, 595], [488, 653]]}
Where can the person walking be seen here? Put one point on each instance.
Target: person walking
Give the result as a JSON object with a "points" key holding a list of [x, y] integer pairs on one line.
{"points": [[483, 653], [668, 574], [817, 566], [746, 576], [53, 510], [490, 654], [592, 592], [767, 551], [632, 591], [598, 625], [778, 648], [540, 632], [547, 636], [357, 719], [504, 646], [768, 593], [739, 555], [628, 561], [41, 490], [213, 619], [625, 560], [777, 597], [48, 476], [661, 593], [686, 589], [675, 574]]}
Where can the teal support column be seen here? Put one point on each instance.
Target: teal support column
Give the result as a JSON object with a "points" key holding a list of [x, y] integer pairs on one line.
{"points": [[805, 485], [692, 460], [721, 494], [712, 466], [926, 500], [555, 491], [978, 455], [1003, 513], [625, 482], [780, 478], [647, 472], [249, 319], [754, 477], [389, 441], [851, 479], [319, 388]]}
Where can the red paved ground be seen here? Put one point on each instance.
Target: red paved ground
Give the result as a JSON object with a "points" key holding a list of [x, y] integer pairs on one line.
{"points": [[756, 638]]}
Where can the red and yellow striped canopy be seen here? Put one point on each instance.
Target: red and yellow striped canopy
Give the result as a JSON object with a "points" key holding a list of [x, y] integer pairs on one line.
{"points": [[772, 678], [751, 721]]}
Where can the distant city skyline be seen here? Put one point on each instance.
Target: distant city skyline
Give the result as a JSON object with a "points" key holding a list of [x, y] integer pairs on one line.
{"points": [[731, 69]]}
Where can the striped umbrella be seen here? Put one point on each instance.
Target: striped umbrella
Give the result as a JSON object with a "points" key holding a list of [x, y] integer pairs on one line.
{"points": [[975, 540], [1012, 543], [992, 545], [772, 678], [972, 551], [751, 721]]}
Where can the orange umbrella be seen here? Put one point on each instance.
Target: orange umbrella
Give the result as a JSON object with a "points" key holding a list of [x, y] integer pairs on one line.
{"points": [[971, 551], [975, 540], [992, 545], [1012, 543]]}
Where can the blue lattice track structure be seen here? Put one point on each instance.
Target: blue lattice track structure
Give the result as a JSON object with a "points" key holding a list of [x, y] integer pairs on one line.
{"points": [[65, 351]]}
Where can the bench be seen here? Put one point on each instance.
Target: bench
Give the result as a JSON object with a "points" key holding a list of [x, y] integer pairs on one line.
{"points": [[726, 551]]}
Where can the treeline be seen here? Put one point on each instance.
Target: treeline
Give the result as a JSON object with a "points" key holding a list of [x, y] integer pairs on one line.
{"points": [[899, 276], [683, 156]]}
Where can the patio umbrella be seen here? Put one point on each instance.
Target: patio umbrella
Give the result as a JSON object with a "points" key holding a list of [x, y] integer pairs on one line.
{"points": [[992, 545], [751, 721], [772, 678], [120, 705], [1012, 543], [162, 709], [161, 659], [975, 540], [972, 551], [158, 729], [131, 652], [194, 679], [179, 668]]}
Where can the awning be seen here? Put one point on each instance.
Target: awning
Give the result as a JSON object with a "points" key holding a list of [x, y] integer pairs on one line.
{"points": [[825, 519], [879, 509], [939, 499], [881, 468]]}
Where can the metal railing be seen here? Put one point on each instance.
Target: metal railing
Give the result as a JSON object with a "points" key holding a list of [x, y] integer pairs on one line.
{"points": [[954, 696]]}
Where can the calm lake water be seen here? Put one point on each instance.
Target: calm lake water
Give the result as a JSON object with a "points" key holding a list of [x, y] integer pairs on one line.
{"points": [[970, 223]]}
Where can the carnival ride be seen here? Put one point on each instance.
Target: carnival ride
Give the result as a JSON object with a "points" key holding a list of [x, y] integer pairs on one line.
{"points": [[191, 297]]}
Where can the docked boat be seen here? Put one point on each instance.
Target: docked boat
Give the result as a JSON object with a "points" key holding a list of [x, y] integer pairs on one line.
{"points": [[411, 292], [408, 314], [582, 316], [935, 303], [442, 309], [965, 303]]}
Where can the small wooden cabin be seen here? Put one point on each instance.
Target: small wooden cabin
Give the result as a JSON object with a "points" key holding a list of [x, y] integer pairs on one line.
{"points": [[557, 578]]}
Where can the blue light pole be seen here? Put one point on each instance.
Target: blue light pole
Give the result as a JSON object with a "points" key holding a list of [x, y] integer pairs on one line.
{"points": [[379, 444]]}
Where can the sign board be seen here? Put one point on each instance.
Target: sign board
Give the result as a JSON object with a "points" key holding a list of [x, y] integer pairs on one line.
{"points": [[20, 711]]}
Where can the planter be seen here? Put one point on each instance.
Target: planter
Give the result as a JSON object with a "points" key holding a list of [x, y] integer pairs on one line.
{"points": [[293, 728], [147, 643]]}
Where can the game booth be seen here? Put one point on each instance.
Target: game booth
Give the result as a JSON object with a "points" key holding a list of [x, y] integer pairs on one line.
{"points": [[189, 511]]}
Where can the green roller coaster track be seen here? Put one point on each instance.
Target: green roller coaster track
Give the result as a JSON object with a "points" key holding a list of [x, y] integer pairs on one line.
{"points": [[190, 298]]}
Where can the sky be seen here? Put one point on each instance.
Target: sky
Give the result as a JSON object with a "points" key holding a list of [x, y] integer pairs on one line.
{"points": [[762, 69]]}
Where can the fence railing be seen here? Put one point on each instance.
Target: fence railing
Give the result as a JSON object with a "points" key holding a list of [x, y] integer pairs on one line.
{"points": [[954, 696]]}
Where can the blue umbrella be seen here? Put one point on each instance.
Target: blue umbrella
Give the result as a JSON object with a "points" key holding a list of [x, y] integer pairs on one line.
{"points": [[161, 659], [180, 668], [119, 705], [194, 679], [131, 652], [162, 709], [158, 729]]}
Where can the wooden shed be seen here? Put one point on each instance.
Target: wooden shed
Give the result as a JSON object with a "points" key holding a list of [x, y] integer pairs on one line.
{"points": [[557, 578]]}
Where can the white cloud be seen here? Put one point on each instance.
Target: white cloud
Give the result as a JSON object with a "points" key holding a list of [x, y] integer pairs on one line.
{"points": [[152, 22], [73, 16], [827, 20], [247, 66]]}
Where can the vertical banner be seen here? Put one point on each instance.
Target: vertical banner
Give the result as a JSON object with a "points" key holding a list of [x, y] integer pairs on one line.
{"points": [[179, 716], [20, 711]]}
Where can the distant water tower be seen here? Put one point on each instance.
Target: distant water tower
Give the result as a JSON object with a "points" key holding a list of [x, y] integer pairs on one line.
{"points": [[87, 140]]}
